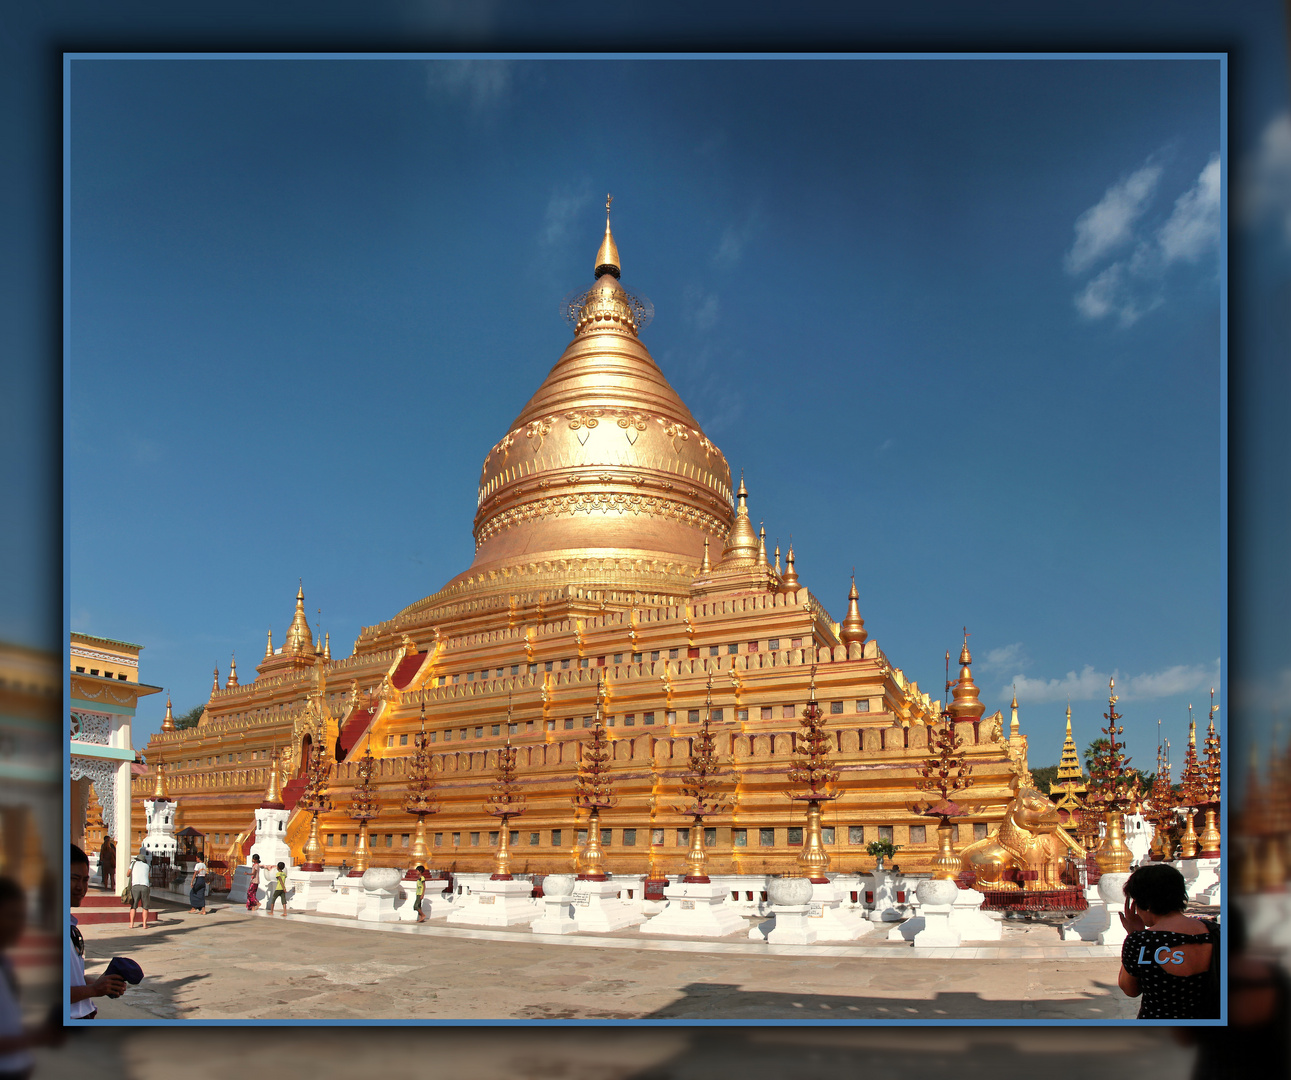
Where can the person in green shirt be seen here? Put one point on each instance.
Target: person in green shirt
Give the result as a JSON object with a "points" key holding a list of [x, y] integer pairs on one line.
{"points": [[421, 892], [279, 889]]}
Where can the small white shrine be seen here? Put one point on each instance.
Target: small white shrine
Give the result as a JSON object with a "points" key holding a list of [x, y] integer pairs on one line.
{"points": [[159, 813]]}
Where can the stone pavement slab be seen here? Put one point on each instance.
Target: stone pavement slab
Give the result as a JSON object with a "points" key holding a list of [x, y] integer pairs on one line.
{"points": [[233, 966]]}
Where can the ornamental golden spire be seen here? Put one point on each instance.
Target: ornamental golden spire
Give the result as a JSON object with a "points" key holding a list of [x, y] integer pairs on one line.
{"points": [[741, 542], [215, 682], [327, 647], [762, 548], [705, 566], [168, 721], [966, 705], [1014, 731], [268, 649], [299, 637], [159, 792], [273, 794], [607, 258], [233, 672], [777, 558], [789, 583], [853, 626]]}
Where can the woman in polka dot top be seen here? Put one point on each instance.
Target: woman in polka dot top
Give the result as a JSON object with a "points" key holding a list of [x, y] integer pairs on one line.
{"points": [[1166, 955]]}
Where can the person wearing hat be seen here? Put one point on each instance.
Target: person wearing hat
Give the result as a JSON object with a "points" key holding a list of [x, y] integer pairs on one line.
{"points": [[140, 887], [109, 984]]}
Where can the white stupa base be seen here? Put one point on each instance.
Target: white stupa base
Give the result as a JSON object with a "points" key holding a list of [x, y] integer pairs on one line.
{"points": [[969, 921], [598, 909], [1089, 925], [829, 920], [788, 925], [434, 903], [347, 898], [884, 886], [497, 903], [1201, 877], [695, 909], [555, 917], [938, 931], [306, 889]]}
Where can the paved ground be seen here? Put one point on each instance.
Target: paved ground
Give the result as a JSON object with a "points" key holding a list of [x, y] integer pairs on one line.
{"points": [[229, 965]]}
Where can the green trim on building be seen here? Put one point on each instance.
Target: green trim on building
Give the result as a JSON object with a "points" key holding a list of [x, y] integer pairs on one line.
{"points": [[97, 706], [116, 753]]}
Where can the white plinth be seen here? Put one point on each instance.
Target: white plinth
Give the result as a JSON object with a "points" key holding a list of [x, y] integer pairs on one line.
{"points": [[1089, 925], [884, 908], [307, 888], [1201, 877], [434, 904], [556, 916], [345, 898], [828, 918], [497, 903], [694, 909], [790, 924], [969, 921], [938, 931], [271, 836], [598, 909], [1111, 889]]}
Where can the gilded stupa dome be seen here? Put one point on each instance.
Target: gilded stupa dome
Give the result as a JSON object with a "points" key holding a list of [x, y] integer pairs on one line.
{"points": [[604, 476]]}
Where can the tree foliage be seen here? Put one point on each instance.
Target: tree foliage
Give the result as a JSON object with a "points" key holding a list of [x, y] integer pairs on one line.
{"points": [[190, 718], [1045, 776]]}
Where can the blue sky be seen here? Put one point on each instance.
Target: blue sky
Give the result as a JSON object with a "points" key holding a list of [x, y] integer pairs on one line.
{"points": [[959, 321]]}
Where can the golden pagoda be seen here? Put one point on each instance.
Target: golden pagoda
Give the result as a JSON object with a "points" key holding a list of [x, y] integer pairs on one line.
{"points": [[1069, 788], [612, 554]]}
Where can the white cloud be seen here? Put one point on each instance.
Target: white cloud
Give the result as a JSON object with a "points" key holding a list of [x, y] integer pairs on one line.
{"points": [[1116, 292], [886, 445], [735, 238], [1193, 228], [482, 83], [1109, 223], [563, 207], [1007, 656], [706, 314], [1266, 193], [1090, 684]]}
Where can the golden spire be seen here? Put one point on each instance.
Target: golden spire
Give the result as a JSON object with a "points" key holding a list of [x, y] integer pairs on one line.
{"points": [[159, 792], [966, 705], [741, 542], [168, 721], [777, 558], [233, 672], [705, 566], [789, 583], [273, 795], [1013, 719], [327, 646], [215, 684], [1069, 766], [299, 637], [268, 649], [853, 626], [762, 547], [607, 258]]}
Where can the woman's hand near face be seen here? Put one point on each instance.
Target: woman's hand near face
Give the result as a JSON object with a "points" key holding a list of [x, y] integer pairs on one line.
{"points": [[1131, 919]]}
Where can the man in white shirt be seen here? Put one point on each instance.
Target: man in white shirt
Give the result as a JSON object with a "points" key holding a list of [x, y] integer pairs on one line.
{"points": [[140, 888], [83, 1008]]}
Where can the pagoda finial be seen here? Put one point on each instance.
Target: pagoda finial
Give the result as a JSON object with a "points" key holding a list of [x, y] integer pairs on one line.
{"points": [[299, 638], [965, 704], [705, 566], [777, 556], [168, 721], [965, 657], [607, 258], [273, 794], [268, 649], [233, 672], [159, 792], [853, 628], [1014, 730], [762, 547], [215, 683], [327, 646], [789, 583], [741, 547]]}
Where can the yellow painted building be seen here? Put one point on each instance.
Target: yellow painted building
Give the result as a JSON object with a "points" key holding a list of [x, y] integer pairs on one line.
{"points": [[613, 546]]}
